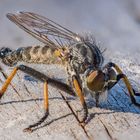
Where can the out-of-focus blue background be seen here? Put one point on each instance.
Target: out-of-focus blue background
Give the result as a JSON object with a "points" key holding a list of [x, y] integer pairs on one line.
{"points": [[114, 23]]}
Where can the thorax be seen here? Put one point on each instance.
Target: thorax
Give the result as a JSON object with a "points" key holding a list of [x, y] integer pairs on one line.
{"points": [[85, 55]]}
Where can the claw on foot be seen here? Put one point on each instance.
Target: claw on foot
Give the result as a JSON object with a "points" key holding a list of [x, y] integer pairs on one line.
{"points": [[83, 124], [29, 130], [82, 116], [1, 95]]}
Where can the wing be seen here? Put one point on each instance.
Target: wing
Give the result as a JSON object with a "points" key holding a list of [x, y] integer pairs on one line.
{"points": [[44, 29]]}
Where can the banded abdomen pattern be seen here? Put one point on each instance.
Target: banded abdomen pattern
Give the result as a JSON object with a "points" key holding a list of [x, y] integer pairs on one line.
{"points": [[37, 54]]}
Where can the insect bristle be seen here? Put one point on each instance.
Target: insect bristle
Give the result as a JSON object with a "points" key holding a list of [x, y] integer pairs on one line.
{"points": [[90, 38]]}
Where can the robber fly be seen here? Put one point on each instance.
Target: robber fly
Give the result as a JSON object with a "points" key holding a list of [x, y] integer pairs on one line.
{"points": [[81, 57]]}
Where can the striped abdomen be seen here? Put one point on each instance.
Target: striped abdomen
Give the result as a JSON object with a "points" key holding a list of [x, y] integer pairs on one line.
{"points": [[37, 54]]}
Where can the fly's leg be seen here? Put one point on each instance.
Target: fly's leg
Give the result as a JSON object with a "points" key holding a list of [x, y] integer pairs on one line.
{"points": [[7, 82], [46, 107], [43, 78], [74, 81], [39, 76], [122, 76], [78, 90]]}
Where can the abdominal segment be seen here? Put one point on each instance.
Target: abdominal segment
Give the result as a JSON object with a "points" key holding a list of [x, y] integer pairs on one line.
{"points": [[37, 54]]}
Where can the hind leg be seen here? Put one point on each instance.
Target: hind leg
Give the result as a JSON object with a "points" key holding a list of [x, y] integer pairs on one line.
{"points": [[46, 108], [46, 80]]}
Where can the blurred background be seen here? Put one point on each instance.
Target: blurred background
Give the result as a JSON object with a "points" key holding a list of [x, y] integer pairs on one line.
{"points": [[115, 24]]}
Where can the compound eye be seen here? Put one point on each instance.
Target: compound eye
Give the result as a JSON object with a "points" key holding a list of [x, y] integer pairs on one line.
{"points": [[96, 80], [95, 75]]}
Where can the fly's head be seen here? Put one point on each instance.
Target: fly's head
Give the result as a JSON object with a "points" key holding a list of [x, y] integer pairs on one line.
{"points": [[99, 81]]}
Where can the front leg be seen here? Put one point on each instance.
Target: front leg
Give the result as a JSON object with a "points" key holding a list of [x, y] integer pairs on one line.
{"points": [[122, 76]]}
